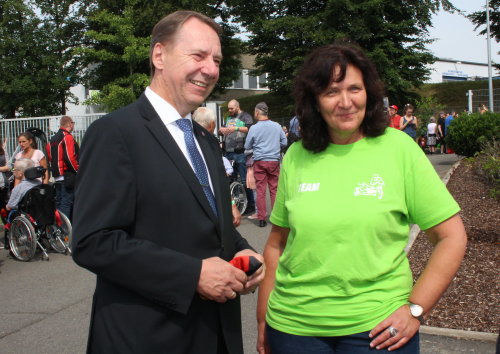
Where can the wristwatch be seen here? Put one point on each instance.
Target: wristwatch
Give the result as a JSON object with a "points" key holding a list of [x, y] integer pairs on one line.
{"points": [[417, 312]]}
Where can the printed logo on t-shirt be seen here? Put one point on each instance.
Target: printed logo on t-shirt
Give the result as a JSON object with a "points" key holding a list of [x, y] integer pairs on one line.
{"points": [[373, 189], [308, 187]]}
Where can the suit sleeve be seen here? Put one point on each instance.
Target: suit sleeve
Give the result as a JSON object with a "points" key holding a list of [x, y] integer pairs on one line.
{"points": [[105, 205]]}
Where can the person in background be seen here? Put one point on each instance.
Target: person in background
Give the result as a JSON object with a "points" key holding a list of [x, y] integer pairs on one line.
{"points": [[24, 185], [394, 117], [29, 150], [294, 131], [441, 132], [266, 139], [152, 215], [206, 118], [63, 153], [408, 122], [338, 278], [235, 131], [431, 135]]}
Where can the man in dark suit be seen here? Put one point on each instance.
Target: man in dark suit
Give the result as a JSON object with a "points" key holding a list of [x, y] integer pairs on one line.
{"points": [[156, 233]]}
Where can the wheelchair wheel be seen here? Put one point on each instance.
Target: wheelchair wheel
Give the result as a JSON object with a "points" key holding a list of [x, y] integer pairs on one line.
{"points": [[60, 235], [22, 238], [239, 196]]}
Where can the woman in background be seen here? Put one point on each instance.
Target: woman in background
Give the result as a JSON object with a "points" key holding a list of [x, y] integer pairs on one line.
{"points": [[29, 150], [431, 135], [409, 123]]}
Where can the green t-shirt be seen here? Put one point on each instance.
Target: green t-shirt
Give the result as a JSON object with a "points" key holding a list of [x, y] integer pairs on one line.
{"points": [[349, 209]]}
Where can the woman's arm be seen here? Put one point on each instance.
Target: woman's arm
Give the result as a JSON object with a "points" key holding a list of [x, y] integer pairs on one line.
{"points": [[415, 120], [403, 125], [450, 241], [274, 249]]}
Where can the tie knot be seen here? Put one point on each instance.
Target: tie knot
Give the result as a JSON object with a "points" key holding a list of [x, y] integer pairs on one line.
{"points": [[185, 125]]}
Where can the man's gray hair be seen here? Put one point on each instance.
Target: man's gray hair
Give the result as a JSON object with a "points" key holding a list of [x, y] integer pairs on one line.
{"points": [[262, 107], [204, 116], [22, 165]]}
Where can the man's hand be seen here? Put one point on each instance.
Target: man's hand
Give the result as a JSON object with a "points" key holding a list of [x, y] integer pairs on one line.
{"points": [[220, 281], [236, 215], [226, 130], [256, 278]]}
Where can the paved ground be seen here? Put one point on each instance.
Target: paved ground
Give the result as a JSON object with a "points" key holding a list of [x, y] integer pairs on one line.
{"points": [[46, 305]]}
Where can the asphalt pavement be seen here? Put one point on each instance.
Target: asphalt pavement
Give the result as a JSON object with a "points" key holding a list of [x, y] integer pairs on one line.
{"points": [[46, 304]]}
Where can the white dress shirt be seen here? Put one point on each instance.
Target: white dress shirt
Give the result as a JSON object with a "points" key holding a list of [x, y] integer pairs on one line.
{"points": [[169, 116]]}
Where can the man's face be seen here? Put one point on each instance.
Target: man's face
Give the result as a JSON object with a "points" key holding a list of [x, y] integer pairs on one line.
{"points": [[17, 173], [188, 66], [392, 111], [233, 109]]}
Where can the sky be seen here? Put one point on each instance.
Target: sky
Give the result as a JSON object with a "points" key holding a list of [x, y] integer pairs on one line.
{"points": [[456, 38]]}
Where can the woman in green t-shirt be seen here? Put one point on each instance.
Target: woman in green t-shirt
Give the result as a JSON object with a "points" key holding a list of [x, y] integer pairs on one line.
{"points": [[338, 279]]}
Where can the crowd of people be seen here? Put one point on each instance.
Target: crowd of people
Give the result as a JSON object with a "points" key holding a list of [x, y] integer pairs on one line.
{"points": [[162, 238], [59, 163]]}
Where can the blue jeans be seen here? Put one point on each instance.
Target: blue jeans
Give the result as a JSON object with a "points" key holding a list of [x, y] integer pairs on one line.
{"points": [[240, 169], [64, 199], [284, 343]]}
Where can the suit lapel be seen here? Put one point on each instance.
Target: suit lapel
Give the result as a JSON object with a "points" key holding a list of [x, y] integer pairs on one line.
{"points": [[210, 157], [168, 144]]}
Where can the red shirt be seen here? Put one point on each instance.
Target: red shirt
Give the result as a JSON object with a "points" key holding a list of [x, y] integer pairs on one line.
{"points": [[394, 121]]}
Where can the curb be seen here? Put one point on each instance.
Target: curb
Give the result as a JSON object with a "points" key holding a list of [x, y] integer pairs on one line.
{"points": [[459, 333]]}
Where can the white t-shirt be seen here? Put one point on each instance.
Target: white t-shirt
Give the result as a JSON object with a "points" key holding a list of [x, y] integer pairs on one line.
{"points": [[431, 128]]}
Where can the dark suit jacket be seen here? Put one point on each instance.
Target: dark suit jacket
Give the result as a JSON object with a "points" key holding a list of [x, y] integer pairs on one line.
{"points": [[143, 224]]}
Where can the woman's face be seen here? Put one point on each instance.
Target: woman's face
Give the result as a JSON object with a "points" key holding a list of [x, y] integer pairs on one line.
{"points": [[409, 112], [343, 105], [24, 143]]}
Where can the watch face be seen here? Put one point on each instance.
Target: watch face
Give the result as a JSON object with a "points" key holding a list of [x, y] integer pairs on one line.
{"points": [[416, 310]]}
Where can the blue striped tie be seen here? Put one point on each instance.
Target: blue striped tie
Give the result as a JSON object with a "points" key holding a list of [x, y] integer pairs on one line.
{"points": [[199, 165]]}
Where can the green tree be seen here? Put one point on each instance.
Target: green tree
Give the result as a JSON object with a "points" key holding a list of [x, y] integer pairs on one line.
{"points": [[62, 26], [479, 19], [117, 54], [35, 56], [19, 56], [394, 34]]}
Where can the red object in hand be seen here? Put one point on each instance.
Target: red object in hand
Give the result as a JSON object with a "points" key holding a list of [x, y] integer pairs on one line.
{"points": [[248, 264]]}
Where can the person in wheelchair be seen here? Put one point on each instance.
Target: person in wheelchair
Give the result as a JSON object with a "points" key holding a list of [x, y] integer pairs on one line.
{"points": [[33, 220], [18, 192]]}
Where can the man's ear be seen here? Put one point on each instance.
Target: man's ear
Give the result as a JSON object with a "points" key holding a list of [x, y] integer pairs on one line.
{"points": [[157, 55]]}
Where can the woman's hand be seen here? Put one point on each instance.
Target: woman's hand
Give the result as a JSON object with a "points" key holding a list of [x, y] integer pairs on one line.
{"points": [[401, 322], [262, 346]]}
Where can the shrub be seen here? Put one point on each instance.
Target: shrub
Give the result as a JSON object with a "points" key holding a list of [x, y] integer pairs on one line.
{"points": [[469, 131], [487, 165]]}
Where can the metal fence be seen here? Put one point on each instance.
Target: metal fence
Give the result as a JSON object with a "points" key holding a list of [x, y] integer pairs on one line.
{"points": [[11, 128], [480, 97]]}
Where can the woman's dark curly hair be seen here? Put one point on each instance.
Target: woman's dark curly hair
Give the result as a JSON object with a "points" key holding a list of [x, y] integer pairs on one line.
{"points": [[314, 77]]}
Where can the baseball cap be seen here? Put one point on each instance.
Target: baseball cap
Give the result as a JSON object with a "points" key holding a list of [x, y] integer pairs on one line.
{"points": [[394, 106]]}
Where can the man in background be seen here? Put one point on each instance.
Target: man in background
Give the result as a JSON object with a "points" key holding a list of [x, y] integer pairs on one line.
{"points": [[266, 139], [235, 131], [63, 157], [394, 117], [206, 118]]}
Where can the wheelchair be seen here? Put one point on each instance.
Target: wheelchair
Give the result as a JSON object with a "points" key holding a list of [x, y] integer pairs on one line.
{"points": [[37, 222], [238, 193]]}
